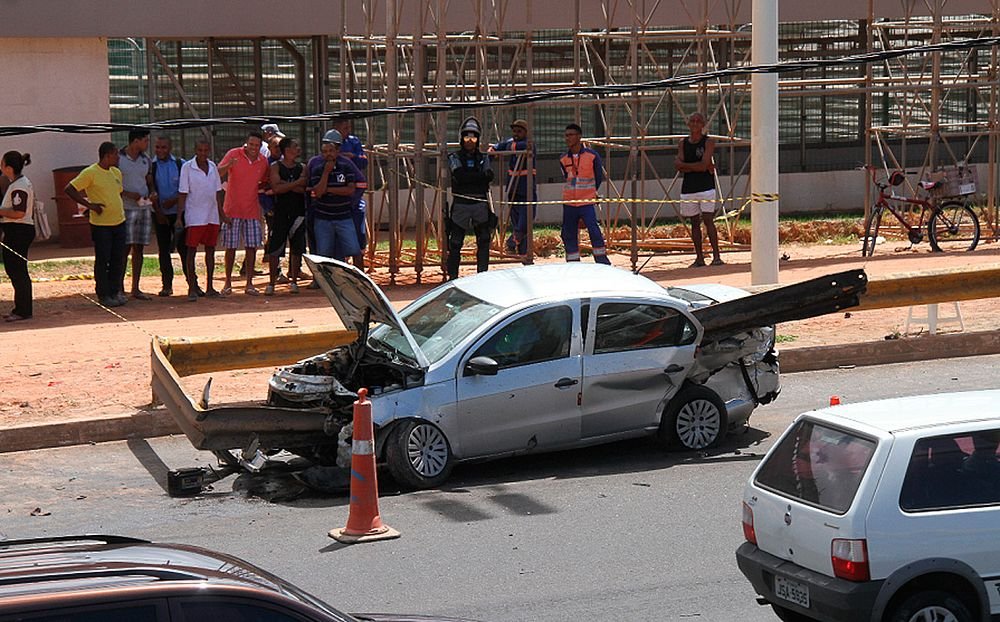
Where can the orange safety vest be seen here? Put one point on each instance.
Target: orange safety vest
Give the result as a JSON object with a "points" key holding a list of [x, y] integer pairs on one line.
{"points": [[581, 171]]}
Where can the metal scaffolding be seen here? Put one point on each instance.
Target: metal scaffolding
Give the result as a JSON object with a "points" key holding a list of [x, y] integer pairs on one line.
{"points": [[925, 112]]}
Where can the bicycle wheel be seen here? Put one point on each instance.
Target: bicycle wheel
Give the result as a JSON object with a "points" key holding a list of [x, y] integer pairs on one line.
{"points": [[871, 231], [954, 227]]}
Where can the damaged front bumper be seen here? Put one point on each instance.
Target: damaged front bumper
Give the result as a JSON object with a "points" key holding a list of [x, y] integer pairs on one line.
{"points": [[237, 424]]}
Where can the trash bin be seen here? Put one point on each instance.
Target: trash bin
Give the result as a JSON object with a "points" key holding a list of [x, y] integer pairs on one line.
{"points": [[74, 228]]}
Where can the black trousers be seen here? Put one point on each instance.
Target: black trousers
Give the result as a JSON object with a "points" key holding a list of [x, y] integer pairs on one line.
{"points": [[18, 237], [456, 239], [169, 237], [109, 259]]}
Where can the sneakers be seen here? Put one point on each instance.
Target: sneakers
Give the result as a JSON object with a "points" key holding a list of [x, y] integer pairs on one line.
{"points": [[121, 299], [293, 287], [268, 291], [140, 295], [192, 296], [166, 292]]}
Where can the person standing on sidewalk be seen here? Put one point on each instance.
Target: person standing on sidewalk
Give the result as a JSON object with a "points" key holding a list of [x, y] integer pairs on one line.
{"points": [[164, 176], [471, 176], [353, 149], [332, 188], [134, 166], [199, 206], [694, 161], [522, 164], [288, 224], [18, 226], [583, 171], [102, 181], [246, 169]]}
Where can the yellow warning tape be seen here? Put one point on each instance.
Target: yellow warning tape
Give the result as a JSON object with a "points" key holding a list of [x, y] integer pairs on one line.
{"points": [[756, 197]]}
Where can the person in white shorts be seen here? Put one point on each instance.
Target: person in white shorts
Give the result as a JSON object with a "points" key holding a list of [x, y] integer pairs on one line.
{"points": [[694, 161]]}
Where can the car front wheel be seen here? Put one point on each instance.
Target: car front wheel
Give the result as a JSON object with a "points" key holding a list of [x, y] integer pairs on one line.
{"points": [[418, 455], [931, 606], [694, 419]]}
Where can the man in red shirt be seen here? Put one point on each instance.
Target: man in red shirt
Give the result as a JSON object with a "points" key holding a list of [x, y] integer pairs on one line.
{"points": [[245, 168]]}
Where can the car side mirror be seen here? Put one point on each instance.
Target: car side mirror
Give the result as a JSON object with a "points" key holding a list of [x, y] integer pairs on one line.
{"points": [[481, 366]]}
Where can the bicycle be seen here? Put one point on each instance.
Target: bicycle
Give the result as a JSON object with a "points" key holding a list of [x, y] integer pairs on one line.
{"points": [[952, 226]]}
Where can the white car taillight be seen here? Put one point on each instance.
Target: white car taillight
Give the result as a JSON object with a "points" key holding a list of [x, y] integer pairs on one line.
{"points": [[748, 531], [850, 559]]}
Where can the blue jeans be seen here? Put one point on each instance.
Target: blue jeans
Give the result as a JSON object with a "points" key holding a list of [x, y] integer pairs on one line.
{"points": [[109, 259], [518, 239], [336, 238], [570, 234]]}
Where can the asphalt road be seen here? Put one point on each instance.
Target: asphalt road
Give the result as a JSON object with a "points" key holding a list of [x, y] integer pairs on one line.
{"points": [[616, 532]]}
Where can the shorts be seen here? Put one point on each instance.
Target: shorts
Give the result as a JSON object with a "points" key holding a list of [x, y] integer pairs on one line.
{"points": [[138, 224], [242, 233], [701, 203], [286, 229], [205, 235], [336, 238]]}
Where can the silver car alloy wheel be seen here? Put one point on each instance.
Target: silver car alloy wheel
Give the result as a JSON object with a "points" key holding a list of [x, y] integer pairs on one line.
{"points": [[427, 450], [699, 423], [933, 613]]}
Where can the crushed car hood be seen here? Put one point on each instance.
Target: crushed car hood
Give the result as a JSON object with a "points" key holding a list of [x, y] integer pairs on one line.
{"points": [[353, 294]]}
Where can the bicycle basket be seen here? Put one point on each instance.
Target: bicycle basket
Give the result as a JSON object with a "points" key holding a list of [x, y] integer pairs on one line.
{"points": [[955, 182]]}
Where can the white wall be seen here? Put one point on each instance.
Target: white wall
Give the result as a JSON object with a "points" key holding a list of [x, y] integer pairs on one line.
{"points": [[53, 81]]}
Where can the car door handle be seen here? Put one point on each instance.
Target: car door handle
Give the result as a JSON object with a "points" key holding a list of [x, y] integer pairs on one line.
{"points": [[566, 382], [673, 369]]}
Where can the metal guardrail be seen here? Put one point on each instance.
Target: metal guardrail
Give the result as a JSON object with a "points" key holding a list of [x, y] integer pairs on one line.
{"points": [[196, 356]]}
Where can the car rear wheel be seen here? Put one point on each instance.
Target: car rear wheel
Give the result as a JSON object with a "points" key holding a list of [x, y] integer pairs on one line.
{"points": [[418, 454], [931, 606], [694, 419]]}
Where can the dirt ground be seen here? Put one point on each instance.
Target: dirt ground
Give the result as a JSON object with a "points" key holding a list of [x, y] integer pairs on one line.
{"points": [[75, 360]]}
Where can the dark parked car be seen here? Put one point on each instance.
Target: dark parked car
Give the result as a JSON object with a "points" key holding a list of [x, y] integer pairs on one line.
{"points": [[119, 579]]}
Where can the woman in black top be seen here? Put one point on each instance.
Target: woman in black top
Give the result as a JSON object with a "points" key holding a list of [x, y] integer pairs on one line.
{"points": [[18, 226], [288, 224]]}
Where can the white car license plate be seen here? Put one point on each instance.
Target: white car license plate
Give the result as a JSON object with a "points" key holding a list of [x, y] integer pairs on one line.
{"points": [[792, 591]]}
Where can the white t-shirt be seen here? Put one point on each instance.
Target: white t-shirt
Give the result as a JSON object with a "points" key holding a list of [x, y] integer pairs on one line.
{"points": [[201, 206], [21, 197]]}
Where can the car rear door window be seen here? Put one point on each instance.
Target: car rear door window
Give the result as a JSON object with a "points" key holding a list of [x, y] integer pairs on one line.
{"points": [[953, 471], [818, 465], [540, 336], [131, 612], [623, 326]]}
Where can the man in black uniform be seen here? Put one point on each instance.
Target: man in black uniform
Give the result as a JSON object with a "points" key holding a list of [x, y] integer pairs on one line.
{"points": [[470, 186], [694, 160]]}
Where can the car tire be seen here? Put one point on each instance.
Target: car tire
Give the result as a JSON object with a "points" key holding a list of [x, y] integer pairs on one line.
{"points": [[787, 615], [694, 419], [418, 454], [934, 605]]}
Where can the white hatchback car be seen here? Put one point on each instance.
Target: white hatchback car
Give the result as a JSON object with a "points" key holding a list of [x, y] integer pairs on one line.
{"points": [[884, 511]]}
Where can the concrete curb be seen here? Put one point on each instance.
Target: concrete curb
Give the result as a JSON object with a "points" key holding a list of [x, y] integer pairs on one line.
{"points": [[145, 424]]}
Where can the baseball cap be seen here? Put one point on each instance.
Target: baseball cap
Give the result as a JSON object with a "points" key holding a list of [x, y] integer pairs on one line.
{"points": [[521, 123], [333, 136], [273, 129]]}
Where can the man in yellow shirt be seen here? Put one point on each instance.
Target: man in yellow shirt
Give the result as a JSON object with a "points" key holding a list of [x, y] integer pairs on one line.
{"points": [[102, 183]]}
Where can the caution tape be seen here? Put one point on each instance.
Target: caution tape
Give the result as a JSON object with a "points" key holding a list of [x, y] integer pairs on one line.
{"points": [[756, 197], [119, 316]]}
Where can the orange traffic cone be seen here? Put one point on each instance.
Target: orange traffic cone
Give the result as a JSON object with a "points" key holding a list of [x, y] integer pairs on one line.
{"points": [[363, 521], [834, 400]]}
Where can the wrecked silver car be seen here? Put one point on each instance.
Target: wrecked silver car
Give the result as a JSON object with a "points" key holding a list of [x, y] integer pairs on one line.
{"points": [[529, 359]]}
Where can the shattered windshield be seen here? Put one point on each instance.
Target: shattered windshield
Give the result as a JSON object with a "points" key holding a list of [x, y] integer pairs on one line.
{"points": [[438, 321]]}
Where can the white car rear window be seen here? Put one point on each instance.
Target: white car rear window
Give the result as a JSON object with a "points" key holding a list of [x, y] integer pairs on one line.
{"points": [[818, 465]]}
